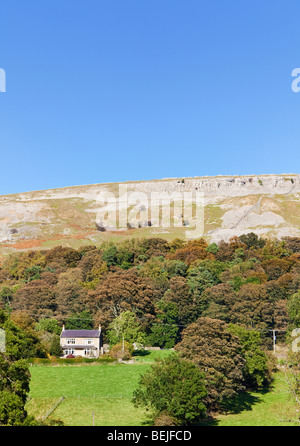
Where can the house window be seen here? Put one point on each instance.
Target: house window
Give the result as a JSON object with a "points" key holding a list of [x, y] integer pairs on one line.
{"points": [[70, 341], [69, 351], [88, 341], [88, 352]]}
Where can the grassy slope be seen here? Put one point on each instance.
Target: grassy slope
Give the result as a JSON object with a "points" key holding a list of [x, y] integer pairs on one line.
{"points": [[106, 390], [271, 408]]}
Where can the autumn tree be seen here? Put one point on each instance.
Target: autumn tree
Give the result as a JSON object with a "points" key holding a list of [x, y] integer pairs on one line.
{"points": [[69, 293], [93, 268], [218, 353], [190, 252], [119, 291], [35, 297], [226, 250], [17, 264], [61, 257], [216, 302], [275, 268], [252, 307], [180, 294]]}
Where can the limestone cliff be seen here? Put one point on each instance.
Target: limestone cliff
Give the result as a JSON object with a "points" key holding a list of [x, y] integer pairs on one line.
{"points": [[265, 204]]}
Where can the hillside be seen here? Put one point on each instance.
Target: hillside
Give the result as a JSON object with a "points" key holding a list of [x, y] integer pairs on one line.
{"points": [[265, 204]]}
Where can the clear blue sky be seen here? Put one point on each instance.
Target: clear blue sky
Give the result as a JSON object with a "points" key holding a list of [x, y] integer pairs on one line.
{"points": [[103, 91]]}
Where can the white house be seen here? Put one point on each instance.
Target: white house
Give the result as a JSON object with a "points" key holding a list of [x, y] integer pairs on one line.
{"points": [[88, 343]]}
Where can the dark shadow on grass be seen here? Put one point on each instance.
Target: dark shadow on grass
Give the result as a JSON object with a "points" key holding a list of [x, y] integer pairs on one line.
{"points": [[141, 353], [208, 421], [243, 401]]}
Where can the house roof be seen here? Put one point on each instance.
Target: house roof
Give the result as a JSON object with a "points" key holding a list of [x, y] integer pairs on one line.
{"points": [[78, 346], [80, 334]]}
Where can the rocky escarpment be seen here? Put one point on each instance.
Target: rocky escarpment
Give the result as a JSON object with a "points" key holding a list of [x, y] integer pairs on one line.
{"points": [[265, 204]]}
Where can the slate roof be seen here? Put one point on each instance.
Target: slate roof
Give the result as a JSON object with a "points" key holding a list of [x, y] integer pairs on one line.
{"points": [[77, 346], [80, 334]]}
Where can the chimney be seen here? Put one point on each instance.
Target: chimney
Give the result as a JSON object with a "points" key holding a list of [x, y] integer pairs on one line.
{"points": [[63, 329], [99, 328]]}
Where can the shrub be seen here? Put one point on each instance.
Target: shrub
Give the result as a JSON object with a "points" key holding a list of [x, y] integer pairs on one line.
{"points": [[121, 352]]}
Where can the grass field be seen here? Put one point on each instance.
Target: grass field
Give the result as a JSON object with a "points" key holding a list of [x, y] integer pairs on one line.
{"points": [[101, 394], [105, 390]]}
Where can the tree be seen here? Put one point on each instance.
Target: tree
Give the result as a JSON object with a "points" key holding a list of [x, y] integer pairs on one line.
{"points": [[14, 378], [252, 307], [6, 296], [257, 372], [218, 353], [22, 339], [191, 251], [212, 248], [275, 268], [181, 295], [199, 279], [35, 297], [80, 321], [121, 351], [165, 331], [17, 264], [55, 347], [93, 268], [119, 291], [125, 327], [47, 324], [251, 240], [69, 293], [175, 387], [293, 307], [62, 257], [216, 302]]}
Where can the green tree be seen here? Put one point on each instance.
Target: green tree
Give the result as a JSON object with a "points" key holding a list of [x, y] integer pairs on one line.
{"points": [[252, 240], [14, 378], [293, 307], [175, 387], [50, 325], [80, 321], [55, 347], [6, 296], [125, 327], [257, 372], [165, 332]]}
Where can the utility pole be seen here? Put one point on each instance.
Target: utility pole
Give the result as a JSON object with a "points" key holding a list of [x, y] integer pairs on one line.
{"points": [[274, 339]]}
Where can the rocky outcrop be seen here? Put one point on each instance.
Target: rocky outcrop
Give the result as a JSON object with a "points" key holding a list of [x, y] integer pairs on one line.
{"points": [[265, 204]]}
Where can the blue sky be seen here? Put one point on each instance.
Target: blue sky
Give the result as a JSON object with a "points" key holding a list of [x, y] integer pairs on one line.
{"points": [[120, 90]]}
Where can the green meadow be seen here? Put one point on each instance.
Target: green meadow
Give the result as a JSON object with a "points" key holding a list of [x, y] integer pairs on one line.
{"points": [[101, 395]]}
